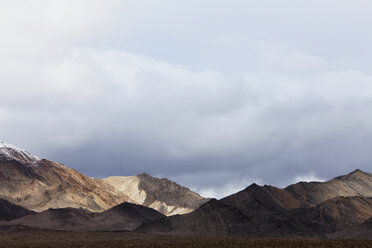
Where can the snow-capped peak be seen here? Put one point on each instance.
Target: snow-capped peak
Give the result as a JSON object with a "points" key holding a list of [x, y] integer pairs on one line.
{"points": [[11, 152]]}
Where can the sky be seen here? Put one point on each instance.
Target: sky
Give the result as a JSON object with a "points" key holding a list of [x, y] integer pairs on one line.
{"points": [[213, 94]]}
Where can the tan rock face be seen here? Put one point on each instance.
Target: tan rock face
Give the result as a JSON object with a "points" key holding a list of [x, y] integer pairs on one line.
{"points": [[163, 195], [51, 185], [40, 184]]}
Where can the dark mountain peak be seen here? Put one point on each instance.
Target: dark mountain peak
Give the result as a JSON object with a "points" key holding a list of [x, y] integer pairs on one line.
{"points": [[127, 216], [251, 189], [9, 211], [358, 172], [253, 186], [144, 174], [211, 204], [131, 209]]}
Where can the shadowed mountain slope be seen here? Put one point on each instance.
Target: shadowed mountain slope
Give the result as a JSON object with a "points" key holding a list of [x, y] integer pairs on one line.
{"points": [[331, 216], [124, 217], [58, 219], [302, 209], [10, 211], [267, 199], [212, 218], [361, 231]]}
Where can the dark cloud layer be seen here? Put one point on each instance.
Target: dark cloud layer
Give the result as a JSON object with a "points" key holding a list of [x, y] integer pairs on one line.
{"points": [[234, 93]]}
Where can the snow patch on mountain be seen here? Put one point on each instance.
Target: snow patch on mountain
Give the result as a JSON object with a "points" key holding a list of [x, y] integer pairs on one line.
{"points": [[11, 152]]}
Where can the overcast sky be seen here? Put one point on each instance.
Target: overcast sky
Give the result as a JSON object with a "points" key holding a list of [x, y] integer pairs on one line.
{"points": [[214, 94]]}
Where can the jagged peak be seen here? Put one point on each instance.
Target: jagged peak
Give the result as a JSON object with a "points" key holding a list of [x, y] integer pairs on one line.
{"points": [[144, 174], [357, 171], [14, 153], [253, 186], [356, 174]]}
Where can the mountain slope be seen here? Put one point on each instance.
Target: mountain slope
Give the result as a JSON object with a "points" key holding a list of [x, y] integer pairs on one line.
{"points": [[271, 199], [40, 184], [10, 211], [361, 231], [331, 216], [218, 218], [70, 219], [45, 184], [123, 217], [163, 195], [303, 209], [126, 216], [212, 218]]}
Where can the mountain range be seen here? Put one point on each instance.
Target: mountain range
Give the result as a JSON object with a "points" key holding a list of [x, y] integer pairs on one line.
{"points": [[39, 184], [315, 209], [39, 193]]}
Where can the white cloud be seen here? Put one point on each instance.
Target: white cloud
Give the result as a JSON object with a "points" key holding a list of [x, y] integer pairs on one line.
{"points": [[168, 92], [307, 178]]}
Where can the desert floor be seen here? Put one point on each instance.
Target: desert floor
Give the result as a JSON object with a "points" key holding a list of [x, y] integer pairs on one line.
{"points": [[37, 238]]}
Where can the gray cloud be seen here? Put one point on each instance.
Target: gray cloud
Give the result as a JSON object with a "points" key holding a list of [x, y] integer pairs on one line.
{"points": [[234, 93]]}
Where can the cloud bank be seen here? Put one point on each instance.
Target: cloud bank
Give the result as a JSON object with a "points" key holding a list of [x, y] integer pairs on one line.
{"points": [[214, 98]]}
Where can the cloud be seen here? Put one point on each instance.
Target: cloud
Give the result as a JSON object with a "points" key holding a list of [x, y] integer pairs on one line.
{"points": [[111, 92], [308, 178]]}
